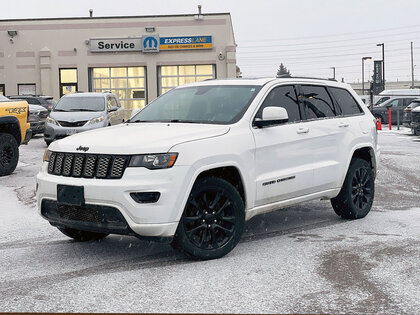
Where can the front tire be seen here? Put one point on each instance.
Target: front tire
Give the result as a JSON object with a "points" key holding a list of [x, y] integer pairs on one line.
{"points": [[82, 236], [356, 196], [213, 220], [9, 154]]}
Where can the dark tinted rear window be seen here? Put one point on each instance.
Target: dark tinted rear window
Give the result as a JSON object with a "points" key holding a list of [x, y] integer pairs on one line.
{"points": [[316, 102], [345, 101]]}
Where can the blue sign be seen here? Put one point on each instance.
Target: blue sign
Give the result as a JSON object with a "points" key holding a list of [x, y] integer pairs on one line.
{"points": [[185, 42], [150, 43]]}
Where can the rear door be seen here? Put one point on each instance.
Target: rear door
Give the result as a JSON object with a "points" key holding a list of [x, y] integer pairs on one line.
{"points": [[283, 157], [326, 136]]}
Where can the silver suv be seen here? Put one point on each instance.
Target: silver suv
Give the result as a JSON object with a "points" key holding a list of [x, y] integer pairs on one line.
{"points": [[79, 112]]}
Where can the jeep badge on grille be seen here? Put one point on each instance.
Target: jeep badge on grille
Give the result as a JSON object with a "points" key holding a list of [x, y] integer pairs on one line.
{"points": [[84, 149]]}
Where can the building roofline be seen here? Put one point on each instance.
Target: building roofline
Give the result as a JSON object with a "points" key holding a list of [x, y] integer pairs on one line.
{"points": [[83, 18]]}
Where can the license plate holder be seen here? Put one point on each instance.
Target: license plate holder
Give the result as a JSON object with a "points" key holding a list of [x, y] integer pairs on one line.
{"points": [[70, 195]]}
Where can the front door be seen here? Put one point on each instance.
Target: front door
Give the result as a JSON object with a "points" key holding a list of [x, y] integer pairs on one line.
{"points": [[283, 160]]}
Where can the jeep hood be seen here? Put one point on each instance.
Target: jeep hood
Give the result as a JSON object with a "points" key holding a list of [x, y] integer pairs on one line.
{"points": [[137, 138]]}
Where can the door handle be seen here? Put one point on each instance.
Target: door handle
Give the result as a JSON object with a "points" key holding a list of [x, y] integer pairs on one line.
{"points": [[302, 130], [342, 125]]}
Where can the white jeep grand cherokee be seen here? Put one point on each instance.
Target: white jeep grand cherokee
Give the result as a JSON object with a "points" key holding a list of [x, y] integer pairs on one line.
{"points": [[203, 158]]}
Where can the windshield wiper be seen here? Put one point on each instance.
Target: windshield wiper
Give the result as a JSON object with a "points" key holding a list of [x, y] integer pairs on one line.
{"points": [[59, 110]]}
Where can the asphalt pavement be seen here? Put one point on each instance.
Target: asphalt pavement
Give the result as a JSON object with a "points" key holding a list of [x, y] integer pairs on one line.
{"points": [[303, 259]]}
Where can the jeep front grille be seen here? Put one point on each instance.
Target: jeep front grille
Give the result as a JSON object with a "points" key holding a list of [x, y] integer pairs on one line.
{"points": [[87, 165]]}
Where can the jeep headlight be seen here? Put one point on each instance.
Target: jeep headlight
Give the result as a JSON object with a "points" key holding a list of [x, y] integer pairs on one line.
{"points": [[153, 161], [52, 121], [96, 120], [47, 155]]}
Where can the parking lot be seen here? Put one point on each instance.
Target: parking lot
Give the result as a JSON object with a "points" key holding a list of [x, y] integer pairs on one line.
{"points": [[302, 259]]}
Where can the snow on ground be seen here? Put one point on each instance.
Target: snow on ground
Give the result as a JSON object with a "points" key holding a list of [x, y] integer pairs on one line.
{"points": [[303, 259]]}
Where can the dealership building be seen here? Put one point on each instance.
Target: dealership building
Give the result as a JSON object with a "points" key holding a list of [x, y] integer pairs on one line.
{"points": [[136, 57]]}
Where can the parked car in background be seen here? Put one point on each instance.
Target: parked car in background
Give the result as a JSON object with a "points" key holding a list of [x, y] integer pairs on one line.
{"points": [[79, 112], [396, 105], [42, 100], [393, 94], [415, 121], [407, 112], [14, 131], [37, 117]]}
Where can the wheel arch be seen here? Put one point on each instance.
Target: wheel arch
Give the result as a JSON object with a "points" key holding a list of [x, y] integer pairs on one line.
{"points": [[364, 152], [229, 173], [10, 124]]}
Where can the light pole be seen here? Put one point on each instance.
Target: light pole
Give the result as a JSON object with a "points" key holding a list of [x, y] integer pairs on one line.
{"points": [[363, 73], [333, 69], [383, 61]]}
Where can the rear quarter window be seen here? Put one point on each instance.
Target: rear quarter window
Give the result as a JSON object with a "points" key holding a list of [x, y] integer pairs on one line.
{"points": [[345, 102]]}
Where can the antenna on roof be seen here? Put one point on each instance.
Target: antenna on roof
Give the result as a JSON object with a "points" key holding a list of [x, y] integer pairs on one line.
{"points": [[90, 12]]}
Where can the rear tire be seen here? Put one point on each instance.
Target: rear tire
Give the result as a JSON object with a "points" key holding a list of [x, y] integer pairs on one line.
{"points": [[356, 196], [82, 236], [213, 220], [9, 154]]}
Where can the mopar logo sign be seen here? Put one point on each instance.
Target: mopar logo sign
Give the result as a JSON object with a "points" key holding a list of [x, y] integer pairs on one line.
{"points": [[150, 43]]}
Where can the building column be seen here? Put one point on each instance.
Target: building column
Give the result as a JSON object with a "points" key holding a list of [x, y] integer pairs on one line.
{"points": [[45, 71]]}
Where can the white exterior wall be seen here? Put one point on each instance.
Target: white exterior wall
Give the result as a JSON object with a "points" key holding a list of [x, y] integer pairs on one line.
{"points": [[43, 46]]}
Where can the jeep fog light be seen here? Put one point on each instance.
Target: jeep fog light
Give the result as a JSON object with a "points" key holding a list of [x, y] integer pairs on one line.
{"points": [[153, 161], [47, 154], [145, 197]]}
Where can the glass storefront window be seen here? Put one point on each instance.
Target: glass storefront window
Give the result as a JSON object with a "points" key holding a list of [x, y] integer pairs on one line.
{"points": [[68, 81], [172, 76], [128, 83]]}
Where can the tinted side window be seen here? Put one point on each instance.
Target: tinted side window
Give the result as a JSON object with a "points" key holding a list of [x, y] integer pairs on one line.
{"points": [[282, 96], [33, 101], [397, 102], [407, 101], [316, 102], [345, 101]]}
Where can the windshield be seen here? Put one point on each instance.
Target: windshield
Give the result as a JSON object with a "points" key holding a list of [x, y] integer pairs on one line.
{"points": [[381, 100], [212, 104], [3, 98], [80, 104]]}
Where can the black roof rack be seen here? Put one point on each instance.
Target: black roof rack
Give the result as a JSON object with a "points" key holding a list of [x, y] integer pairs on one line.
{"points": [[313, 78]]}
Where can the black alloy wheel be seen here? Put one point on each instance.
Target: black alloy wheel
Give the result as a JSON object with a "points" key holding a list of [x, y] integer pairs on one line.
{"points": [[357, 193], [213, 220], [9, 154]]}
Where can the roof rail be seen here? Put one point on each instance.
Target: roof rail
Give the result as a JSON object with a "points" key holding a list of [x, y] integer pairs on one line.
{"points": [[313, 78]]}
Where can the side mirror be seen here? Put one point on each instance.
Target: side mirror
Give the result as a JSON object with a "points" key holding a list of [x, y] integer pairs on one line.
{"points": [[113, 108], [272, 115]]}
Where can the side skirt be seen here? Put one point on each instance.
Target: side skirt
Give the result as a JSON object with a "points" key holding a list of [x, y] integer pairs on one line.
{"points": [[326, 194]]}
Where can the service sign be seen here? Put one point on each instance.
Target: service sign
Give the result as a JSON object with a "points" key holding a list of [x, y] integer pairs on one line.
{"points": [[185, 42], [115, 44]]}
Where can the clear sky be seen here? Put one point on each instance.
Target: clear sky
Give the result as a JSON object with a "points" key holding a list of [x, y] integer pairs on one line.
{"points": [[308, 36]]}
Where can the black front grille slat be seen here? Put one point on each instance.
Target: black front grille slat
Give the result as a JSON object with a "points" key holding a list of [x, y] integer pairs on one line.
{"points": [[87, 165], [78, 165], [72, 124], [89, 168], [58, 163]]}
